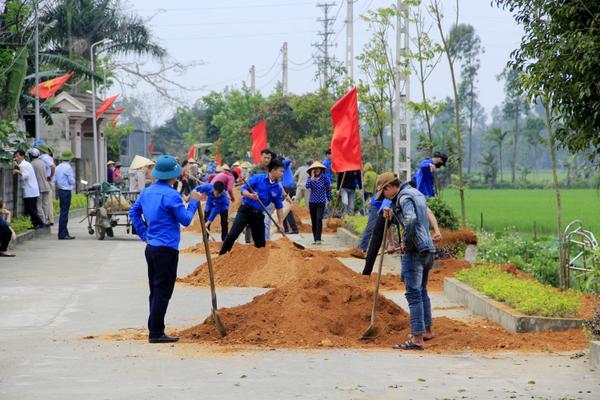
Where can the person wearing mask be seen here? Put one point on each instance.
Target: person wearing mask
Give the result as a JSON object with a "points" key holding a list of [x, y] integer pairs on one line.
{"points": [[301, 177], [217, 203], [320, 194], [347, 183], [110, 169], [117, 174], [409, 207], [424, 175], [65, 184], [7, 233], [31, 190], [163, 211], [47, 157], [43, 201], [266, 188]]}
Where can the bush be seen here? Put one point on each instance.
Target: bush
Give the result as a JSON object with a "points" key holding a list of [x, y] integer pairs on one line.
{"points": [[593, 325], [356, 223], [21, 224], [445, 216], [528, 297], [539, 258], [77, 202]]}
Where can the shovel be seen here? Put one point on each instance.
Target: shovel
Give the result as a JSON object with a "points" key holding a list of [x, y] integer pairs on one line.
{"points": [[372, 332], [296, 244], [213, 293]]}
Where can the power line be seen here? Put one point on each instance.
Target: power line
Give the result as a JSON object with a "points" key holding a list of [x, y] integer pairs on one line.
{"points": [[233, 22], [271, 67], [239, 35], [162, 9], [310, 59]]}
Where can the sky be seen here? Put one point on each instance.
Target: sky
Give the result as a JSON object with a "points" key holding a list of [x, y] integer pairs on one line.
{"points": [[229, 36]]}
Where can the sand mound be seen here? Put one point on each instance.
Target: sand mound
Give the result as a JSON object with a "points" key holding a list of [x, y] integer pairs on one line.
{"points": [[300, 212], [310, 313], [453, 242], [304, 313]]}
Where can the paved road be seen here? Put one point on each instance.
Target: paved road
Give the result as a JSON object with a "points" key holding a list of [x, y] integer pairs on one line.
{"points": [[56, 292]]}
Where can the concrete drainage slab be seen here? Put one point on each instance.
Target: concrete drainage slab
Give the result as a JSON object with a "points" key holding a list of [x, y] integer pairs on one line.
{"points": [[486, 307]]}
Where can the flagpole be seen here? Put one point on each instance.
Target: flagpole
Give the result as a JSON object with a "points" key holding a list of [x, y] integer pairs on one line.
{"points": [[37, 73], [94, 118]]}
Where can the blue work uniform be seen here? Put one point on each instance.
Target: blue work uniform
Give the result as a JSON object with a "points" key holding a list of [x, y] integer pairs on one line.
{"points": [[216, 206], [424, 178]]}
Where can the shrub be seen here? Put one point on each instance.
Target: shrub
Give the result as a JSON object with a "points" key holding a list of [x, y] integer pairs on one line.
{"points": [[445, 216], [21, 224], [528, 297], [593, 325], [77, 202], [356, 223]]}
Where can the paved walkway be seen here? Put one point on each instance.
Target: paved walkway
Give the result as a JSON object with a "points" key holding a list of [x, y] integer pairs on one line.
{"points": [[54, 293]]}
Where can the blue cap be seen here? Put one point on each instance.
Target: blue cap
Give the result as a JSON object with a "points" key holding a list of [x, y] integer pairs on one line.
{"points": [[166, 168]]}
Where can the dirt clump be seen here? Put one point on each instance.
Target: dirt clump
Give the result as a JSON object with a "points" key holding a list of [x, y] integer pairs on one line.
{"points": [[444, 269]]}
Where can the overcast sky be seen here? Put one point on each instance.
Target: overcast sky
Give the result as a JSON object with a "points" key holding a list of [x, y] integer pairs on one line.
{"points": [[231, 35]]}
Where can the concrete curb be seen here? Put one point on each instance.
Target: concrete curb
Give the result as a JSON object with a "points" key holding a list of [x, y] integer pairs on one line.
{"points": [[35, 233], [484, 306], [348, 237], [595, 354]]}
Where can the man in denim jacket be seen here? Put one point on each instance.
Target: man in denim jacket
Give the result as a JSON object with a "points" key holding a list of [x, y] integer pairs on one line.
{"points": [[409, 207]]}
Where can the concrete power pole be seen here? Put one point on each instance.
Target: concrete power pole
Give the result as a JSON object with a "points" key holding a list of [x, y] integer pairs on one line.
{"points": [[284, 69], [350, 38], [37, 72], [324, 61], [253, 79], [401, 139]]}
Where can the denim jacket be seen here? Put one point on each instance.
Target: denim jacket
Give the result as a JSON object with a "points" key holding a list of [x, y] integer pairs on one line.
{"points": [[410, 208]]}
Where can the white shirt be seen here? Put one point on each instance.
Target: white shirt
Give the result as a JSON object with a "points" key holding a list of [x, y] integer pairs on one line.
{"points": [[30, 185], [64, 177], [47, 159]]}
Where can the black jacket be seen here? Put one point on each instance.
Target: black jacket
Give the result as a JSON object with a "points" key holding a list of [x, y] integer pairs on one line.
{"points": [[351, 180]]}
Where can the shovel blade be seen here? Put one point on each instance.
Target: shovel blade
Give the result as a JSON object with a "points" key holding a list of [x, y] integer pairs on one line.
{"points": [[218, 323], [371, 333]]}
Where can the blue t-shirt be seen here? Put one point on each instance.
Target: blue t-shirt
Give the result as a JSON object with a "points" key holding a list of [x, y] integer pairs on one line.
{"points": [[327, 174], [268, 192], [288, 175], [214, 205], [424, 178], [163, 211]]}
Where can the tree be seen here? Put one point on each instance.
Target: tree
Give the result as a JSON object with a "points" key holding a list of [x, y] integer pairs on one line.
{"points": [[434, 9], [514, 107], [559, 57], [114, 137], [497, 136], [465, 45], [490, 168]]}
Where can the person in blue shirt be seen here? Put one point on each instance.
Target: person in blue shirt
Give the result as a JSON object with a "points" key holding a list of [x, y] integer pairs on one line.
{"points": [[327, 164], [424, 175], [267, 188], [217, 203], [64, 179], [163, 211], [289, 186], [320, 194]]}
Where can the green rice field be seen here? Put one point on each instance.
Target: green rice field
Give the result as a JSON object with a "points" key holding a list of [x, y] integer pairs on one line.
{"points": [[520, 209]]}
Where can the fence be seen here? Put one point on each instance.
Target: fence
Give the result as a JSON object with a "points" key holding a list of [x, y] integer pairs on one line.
{"points": [[10, 191]]}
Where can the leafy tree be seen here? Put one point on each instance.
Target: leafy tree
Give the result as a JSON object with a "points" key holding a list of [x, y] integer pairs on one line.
{"points": [[559, 57], [497, 136], [114, 138], [490, 167]]}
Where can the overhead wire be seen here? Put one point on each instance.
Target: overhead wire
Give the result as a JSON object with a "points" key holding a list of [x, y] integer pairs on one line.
{"points": [[232, 22], [238, 35], [163, 9]]}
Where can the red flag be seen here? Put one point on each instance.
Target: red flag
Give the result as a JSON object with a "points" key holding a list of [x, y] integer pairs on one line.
{"points": [[191, 152], [218, 159], [345, 143], [120, 110], [105, 106], [49, 88], [150, 148], [259, 140]]}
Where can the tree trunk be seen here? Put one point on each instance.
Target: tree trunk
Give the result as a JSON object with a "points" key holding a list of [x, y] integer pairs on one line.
{"points": [[563, 266], [515, 140], [471, 105], [500, 157]]}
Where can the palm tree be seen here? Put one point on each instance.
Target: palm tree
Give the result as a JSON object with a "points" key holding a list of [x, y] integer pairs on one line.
{"points": [[497, 136]]}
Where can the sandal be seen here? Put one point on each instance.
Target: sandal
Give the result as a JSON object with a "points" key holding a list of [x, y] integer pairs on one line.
{"points": [[7, 255], [408, 345]]}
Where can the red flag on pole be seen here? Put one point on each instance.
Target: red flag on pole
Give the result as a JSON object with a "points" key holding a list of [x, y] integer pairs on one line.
{"points": [[105, 106], [259, 140], [150, 148], [191, 152], [218, 159], [49, 88], [345, 143]]}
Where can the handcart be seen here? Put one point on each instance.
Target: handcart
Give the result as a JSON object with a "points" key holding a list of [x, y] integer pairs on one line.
{"points": [[106, 206]]}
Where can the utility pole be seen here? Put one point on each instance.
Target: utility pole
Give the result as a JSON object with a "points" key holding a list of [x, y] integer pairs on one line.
{"points": [[284, 69], [350, 38], [37, 72], [253, 79], [323, 62], [401, 139]]}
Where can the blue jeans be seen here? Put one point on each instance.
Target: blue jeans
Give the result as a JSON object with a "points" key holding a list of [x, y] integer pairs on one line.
{"points": [[415, 269], [64, 196], [366, 237]]}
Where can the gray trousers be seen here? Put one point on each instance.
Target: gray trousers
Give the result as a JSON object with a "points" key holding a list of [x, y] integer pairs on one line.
{"points": [[45, 207]]}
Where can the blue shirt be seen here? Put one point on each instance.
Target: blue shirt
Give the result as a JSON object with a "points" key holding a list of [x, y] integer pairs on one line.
{"points": [[424, 178], [163, 211], [268, 192], [64, 177], [327, 174], [320, 190], [214, 205], [288, 176]]}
